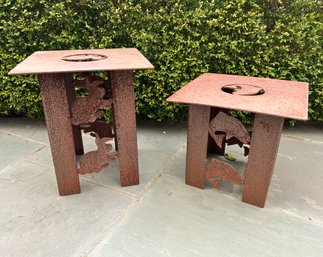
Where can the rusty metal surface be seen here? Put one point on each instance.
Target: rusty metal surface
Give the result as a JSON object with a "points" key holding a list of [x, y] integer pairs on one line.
{"points": [[109, 87], [71, 97], [231, 127], [57, 114], [62, 61], [84, 57], [94, 161], [197, 137], [281, 98], [243, 89], [262, 157], [227, 130], [100, 127], [66, 116], [218, 171], [232, 132], [271, 100], [87, 109], [211, 145], [125, 125]]}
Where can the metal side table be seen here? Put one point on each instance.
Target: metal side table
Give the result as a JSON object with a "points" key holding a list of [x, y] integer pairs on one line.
{"points": [[211, 128], [66, 115]]}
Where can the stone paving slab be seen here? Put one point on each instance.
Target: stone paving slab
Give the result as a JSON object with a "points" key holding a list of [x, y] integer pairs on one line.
{"points": [[298, 178], [161, 216], [44, 155], [35, 221], [307, 131], [296, 186], [13, 149], [174, 219], [156, 145], [32, 129]]}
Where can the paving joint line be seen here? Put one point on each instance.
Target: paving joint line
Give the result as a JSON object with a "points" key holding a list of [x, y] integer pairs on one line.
{"points": [[268, 207], [296, 215], [177, 179], [91, 250], [303, 139], [136, 200], [161, 172], [44, 165], [127, 193], [23, 137], [16, 163]]}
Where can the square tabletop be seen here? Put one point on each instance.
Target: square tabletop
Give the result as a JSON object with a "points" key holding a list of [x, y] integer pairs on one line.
{"points": [[82, 60], [282, 98]]}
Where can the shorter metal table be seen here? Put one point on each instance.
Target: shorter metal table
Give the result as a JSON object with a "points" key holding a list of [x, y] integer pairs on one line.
{"points": [[210, 126], [59, 72]]}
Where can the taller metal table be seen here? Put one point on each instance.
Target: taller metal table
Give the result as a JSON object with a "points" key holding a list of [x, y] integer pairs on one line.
{"points": [[66, 116], [211, 128]]}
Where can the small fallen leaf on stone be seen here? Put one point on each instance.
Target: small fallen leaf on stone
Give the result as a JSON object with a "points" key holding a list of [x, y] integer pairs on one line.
{"points": [[229, 157]]}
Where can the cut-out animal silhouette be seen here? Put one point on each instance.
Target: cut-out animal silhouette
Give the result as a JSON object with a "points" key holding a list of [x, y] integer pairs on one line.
{"points": [[231, 126], [94, 161], [87, 109], [218, 171]]}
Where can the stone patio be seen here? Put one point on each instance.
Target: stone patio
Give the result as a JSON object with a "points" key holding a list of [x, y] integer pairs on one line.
{"points": [[162, 216]]}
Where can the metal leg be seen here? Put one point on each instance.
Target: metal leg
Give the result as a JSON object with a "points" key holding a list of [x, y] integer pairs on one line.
{"points": [[197, 139], [114, 130], [262, 157], [113, 114], [211, 145], [60, 132], [125, 126], [71, 97]]}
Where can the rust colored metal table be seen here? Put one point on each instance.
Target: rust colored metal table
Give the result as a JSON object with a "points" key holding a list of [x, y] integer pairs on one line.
{"points": [[211, 128], [59, 72]]}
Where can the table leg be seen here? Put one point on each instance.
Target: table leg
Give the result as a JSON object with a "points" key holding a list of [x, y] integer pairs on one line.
{"points": [[71, 97], [60, 133], [197, 139], [262, 157], [212, 147], [125, 126], [113, 114]]}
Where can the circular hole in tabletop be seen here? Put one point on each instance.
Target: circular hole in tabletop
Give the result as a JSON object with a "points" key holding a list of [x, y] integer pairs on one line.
{"points": [[84, 57], [243, 89]]}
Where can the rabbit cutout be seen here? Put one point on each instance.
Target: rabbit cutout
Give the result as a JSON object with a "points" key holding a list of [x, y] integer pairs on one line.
{"points": [[86, 109], [218, 171], [94, 161]]}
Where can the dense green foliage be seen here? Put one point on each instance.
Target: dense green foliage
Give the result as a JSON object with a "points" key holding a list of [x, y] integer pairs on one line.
{"points": [[182, 38]]}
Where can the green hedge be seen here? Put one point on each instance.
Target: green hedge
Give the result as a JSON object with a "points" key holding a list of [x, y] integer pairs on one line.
{"points": [[182, 38]]}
